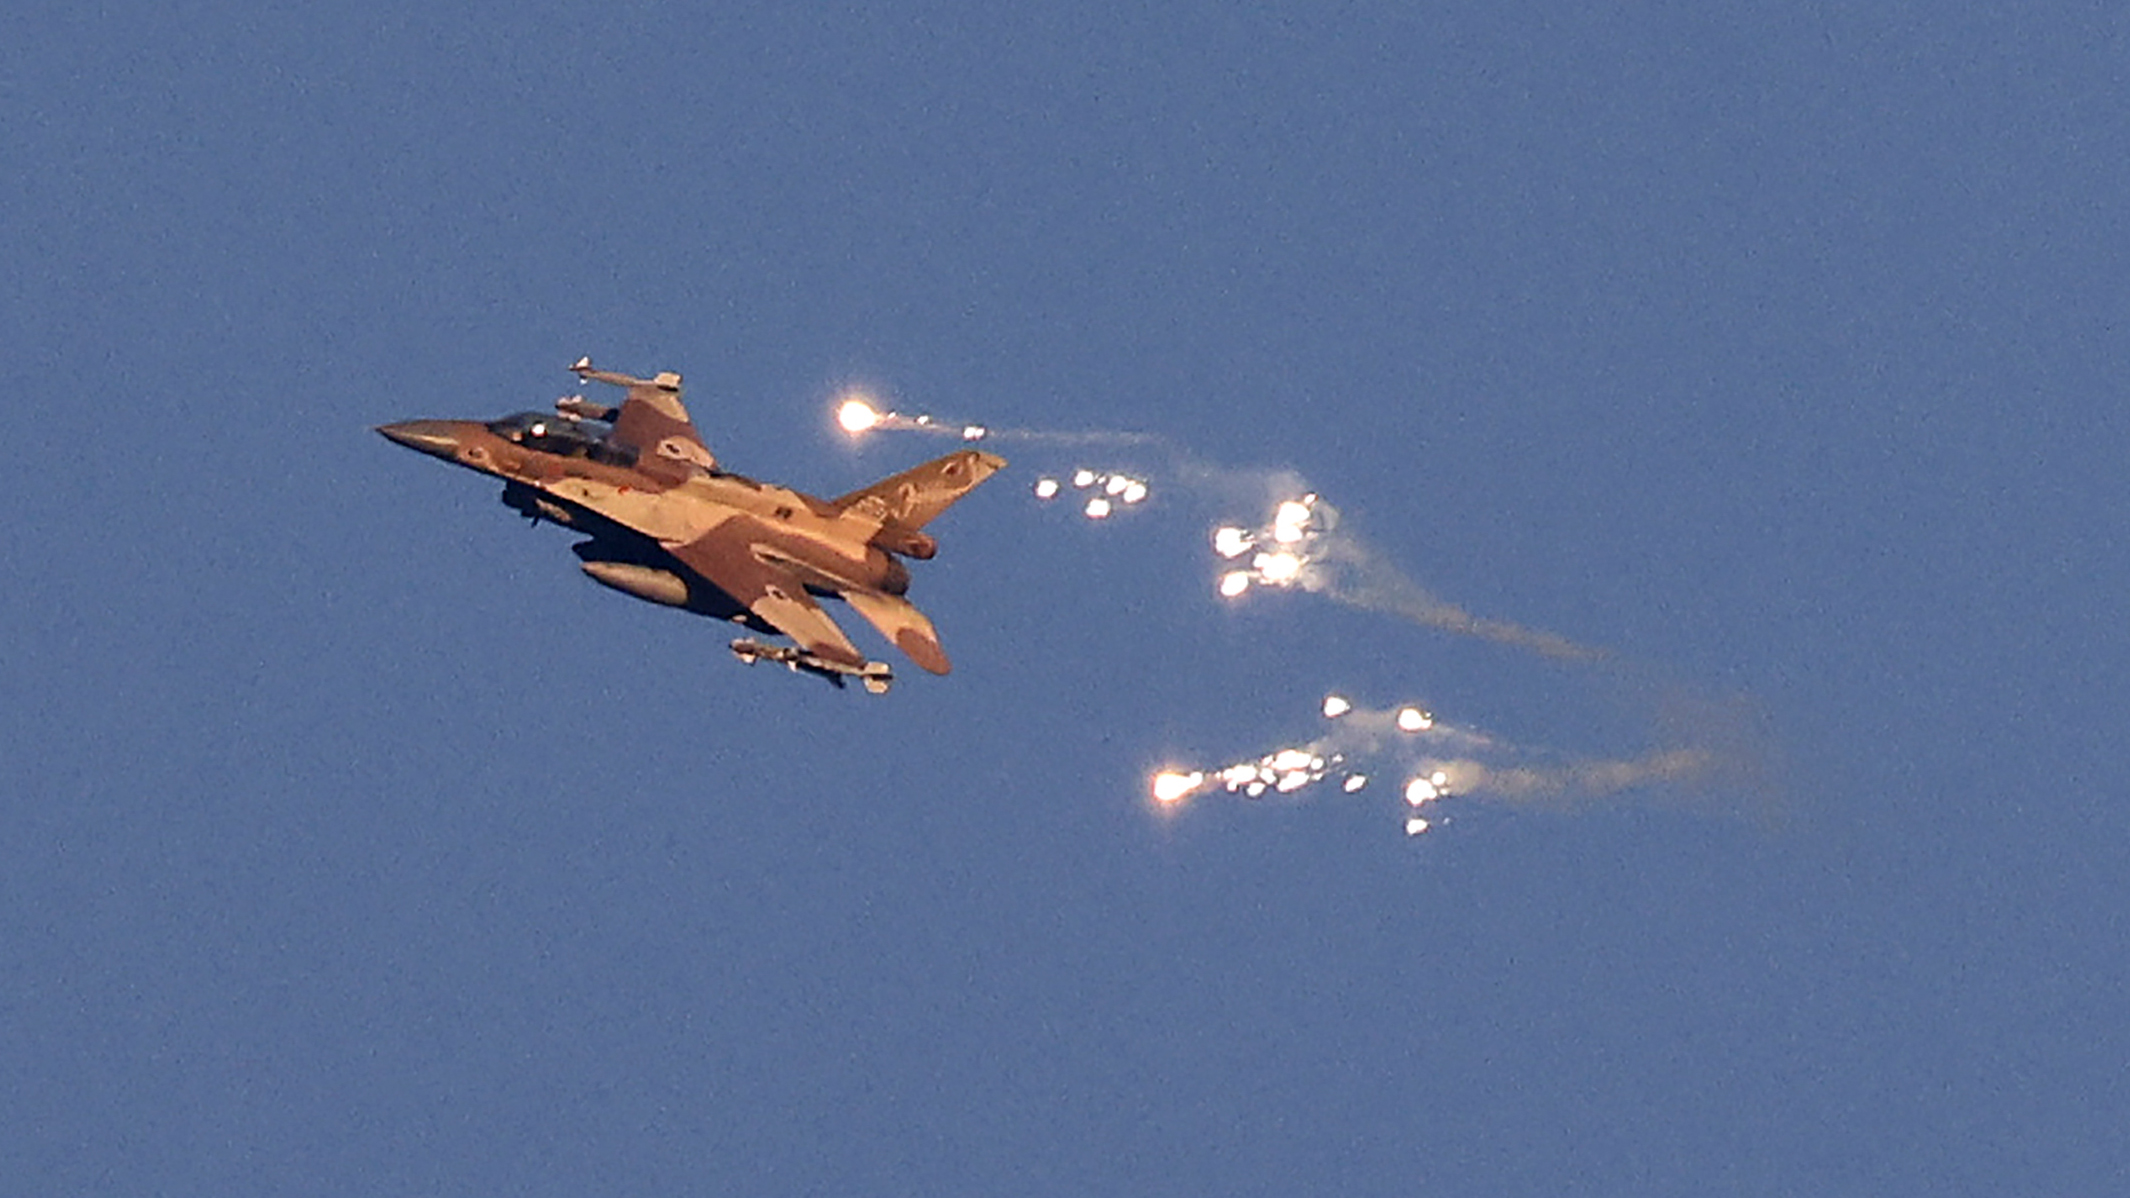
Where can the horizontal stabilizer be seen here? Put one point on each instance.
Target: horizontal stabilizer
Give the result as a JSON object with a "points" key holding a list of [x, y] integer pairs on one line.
{"points": [[903, 624]]}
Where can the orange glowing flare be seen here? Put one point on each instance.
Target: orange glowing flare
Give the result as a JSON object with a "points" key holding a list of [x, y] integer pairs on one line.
{"points": [[856, 416], [1172, 787]]}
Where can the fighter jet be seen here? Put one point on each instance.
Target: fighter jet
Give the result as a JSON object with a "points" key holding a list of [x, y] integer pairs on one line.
{"points": [[665, 523]]}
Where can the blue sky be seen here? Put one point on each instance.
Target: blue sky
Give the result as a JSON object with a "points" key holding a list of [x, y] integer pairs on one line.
{"points": [[352, 842]]}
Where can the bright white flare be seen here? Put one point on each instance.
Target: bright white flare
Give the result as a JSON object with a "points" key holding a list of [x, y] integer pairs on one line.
{"points": [[1415, 826], [1336, 706], [1289, 760], [1172, 786], [1083, 478], [856, 416], [1421, 790], [1234, 583], [1354, 782], [1135, 491], [1290, 522], [975, 432], [1412, 719], [1278, 568], [1232, 542], [1046, 488], [1098, 508]]}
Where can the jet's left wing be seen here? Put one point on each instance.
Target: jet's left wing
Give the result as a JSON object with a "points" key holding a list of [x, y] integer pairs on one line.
{"points": [[652, 420], [725, 556]]}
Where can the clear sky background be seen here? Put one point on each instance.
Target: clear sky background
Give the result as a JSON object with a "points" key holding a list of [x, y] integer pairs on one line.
{"points": [[352, 843]]}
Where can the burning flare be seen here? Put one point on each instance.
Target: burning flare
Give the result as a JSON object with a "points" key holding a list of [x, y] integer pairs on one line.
{"points": [[1107, 491], [857, 416]]}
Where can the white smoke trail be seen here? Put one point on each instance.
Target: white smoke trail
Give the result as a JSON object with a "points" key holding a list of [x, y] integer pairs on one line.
{"points": [[1705, 745], [1437, 762], [1303, 545], [858, 413], [1353, 573]]}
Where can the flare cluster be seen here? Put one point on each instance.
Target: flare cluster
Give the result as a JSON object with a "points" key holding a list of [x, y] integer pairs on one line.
{"points": [[1278, 554], [1336, 757], [1105, 491]]}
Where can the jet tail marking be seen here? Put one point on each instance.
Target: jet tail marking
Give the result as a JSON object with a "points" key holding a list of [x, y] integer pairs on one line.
{"points": [[912, 498]]}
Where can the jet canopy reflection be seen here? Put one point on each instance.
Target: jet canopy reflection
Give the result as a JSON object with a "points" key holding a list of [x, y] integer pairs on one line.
{"points": [[545, 432]]}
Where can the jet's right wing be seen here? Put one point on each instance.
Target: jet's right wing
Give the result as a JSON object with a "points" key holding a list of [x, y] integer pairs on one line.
{"points": [[652, 420], [725, 556]]}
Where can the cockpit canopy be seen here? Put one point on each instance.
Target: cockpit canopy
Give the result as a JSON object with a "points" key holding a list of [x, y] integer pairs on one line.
{"points": [[545, 432]]}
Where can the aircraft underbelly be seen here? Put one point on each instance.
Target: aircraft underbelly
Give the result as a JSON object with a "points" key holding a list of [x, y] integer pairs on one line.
{"points": [[651, 513]]}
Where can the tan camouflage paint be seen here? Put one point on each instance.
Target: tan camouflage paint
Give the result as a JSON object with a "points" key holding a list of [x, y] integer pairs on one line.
{"points": [[762, 544]]}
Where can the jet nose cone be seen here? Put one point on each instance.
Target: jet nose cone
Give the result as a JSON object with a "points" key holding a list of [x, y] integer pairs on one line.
{"points": [[437, 438]]}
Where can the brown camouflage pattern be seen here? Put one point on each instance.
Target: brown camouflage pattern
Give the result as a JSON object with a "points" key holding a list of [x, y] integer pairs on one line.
{"points": [[659, 509]]}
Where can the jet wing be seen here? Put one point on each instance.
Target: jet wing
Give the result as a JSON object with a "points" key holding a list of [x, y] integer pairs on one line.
{"points": [[725, 556], [652, 420]]}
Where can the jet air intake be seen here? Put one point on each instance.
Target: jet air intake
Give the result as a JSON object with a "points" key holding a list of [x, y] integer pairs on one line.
{"points": [[537, 507]]}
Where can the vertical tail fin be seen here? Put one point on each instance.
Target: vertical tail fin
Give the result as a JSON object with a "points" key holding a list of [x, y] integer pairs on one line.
{"points": [[916, 495]]}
